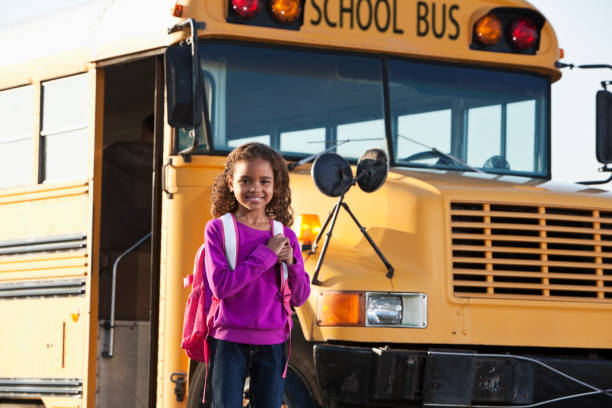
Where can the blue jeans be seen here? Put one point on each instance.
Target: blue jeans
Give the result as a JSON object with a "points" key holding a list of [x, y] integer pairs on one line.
{"points": [[231, 363]]}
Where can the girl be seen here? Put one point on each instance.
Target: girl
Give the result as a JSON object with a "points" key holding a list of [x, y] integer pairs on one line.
{"points": [[250, 327]]}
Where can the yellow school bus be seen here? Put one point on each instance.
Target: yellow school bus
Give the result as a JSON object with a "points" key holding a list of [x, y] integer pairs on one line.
{"points": [[116, 117]]}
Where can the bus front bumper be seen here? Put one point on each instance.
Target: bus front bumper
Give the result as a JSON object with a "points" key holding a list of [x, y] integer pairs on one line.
{"points": [[397, 377]]}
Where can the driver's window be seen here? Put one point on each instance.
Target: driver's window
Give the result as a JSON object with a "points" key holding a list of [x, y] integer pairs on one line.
{"points": [[429, 128], [484, 135]]}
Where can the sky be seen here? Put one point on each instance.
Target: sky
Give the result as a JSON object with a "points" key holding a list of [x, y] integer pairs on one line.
{"points": [[583, 31]]}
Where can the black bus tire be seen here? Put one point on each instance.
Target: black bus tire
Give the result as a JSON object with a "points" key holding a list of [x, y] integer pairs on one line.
{"points": [[196, 388], [297, 392]]}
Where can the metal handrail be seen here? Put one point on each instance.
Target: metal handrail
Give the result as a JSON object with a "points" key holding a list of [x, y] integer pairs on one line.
{"points": [[111, 342]]}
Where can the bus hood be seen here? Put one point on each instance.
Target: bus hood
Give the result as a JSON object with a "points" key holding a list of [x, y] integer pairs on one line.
{"points": [[475, 247], [417, 219], [453, 183]]}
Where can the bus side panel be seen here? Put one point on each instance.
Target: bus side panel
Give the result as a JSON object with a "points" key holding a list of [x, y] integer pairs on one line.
{"points": [[44, 300], [40, 339], [44, 212]]}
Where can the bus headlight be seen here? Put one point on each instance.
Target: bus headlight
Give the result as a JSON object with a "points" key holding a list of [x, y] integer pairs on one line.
{"points": [[396, 309], [384, 309]]}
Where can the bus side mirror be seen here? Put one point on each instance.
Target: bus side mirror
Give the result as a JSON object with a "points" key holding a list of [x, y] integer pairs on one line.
{"points": [[180, 84], [603, 127]]}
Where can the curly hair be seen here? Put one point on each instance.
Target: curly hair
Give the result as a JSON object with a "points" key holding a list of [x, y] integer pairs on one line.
{"points": [[279, 207]]}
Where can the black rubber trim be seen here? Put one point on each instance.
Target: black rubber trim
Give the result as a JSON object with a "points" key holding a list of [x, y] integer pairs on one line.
{"points": [[42, 288], [40, 244]]}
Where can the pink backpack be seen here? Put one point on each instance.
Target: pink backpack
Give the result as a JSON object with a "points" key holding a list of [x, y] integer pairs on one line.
{"points": [[195, 325], [201, 305]]}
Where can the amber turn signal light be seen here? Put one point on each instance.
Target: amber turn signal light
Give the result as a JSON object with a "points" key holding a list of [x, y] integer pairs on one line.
{"points": [[307, 227], [488, 30], [286, 11], [341, 309], [177, 10]]}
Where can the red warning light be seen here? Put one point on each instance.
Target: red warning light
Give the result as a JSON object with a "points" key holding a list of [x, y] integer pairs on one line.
{"points": [[246, 8], [524, 33]]}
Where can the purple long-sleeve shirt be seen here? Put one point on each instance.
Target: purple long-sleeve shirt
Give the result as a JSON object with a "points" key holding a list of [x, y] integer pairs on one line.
{"points": [[250, 311]]}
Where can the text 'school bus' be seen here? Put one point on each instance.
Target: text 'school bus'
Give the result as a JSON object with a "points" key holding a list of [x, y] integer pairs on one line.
{"points": [[448, 271]]}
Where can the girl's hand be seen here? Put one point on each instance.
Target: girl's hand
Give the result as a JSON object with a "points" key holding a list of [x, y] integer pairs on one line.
{"points": [[277, 242], [286, 254]]}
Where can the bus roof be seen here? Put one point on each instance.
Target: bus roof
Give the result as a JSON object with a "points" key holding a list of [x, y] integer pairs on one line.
{"points": [[65, 42]]}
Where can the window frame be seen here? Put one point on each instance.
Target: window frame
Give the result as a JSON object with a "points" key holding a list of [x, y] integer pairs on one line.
{"points": [[460, 141], [32, 128], [43, 134], [542, 137], [37, 134]]}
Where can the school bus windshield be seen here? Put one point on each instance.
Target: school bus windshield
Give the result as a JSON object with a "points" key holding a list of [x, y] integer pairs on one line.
{"points": [[302, 101]]}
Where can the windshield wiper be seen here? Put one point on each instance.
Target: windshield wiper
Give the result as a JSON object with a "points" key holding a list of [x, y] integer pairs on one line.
{"points": [[308, 159], [442, 154]]}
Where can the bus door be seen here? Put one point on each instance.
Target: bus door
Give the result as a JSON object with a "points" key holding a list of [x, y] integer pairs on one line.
{"points": [[129, 238]]}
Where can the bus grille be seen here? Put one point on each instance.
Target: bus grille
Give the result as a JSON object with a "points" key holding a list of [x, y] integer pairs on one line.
{"points": [[513, 251]]}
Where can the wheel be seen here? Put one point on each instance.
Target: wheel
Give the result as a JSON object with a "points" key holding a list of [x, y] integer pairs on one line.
{"points": [[297, 393], [196, 388]]}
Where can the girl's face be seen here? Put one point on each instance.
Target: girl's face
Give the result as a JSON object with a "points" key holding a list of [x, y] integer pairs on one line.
{"points": [[252, 184]]}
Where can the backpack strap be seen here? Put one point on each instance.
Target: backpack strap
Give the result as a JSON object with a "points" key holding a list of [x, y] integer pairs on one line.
{"points": [[279, 229], [285, 295], [230, 235], [230, 238]]}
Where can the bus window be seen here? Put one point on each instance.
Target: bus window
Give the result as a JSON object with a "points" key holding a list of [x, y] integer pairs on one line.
{"points": [[496, 121], [298, 98], [303, 141], [484, 134], [499, 137], [372, 129], [16, 119], [430, 128], [260, 139], [64, 135], [184, 141], [521, 124]]}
